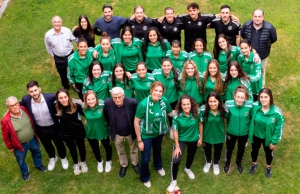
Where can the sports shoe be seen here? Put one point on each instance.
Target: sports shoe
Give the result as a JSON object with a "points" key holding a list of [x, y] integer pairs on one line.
{"points": [[206, 167], [239, 167], [77, 170], [268, 172], [147, 184], [25, 177], [189, 173], [171, 133], [100, 166], [64, 163], [252, 168], [51, 163], [172, 186], [161, 172], [42, 168], [108, 166], [216, 169], [84, 167], [226, 167]]}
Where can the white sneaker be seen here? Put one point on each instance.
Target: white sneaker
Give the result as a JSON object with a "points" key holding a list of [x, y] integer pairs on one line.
{"points": [[206, 167], [84, 167], [216, 169], [100, 166], [76, 169], [161, 172], [189, 173], [172, 186], [64, 163], [108, 166], [171, 133], [147, 184], [51, 163]]}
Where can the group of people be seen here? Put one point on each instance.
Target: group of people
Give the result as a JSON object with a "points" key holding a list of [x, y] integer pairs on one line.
{"points": [[139, 84]]}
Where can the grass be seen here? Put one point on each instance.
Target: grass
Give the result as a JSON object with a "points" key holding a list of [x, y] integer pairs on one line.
{"points": [[23, 57]]}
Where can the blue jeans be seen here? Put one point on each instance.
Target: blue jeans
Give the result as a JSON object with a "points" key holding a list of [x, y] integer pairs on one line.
{"points": [[34, 148], [145, 157]]}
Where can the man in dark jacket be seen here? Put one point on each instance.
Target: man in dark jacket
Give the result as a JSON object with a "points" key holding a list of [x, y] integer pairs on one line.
{"points": [[261, 34], [119, 112]]}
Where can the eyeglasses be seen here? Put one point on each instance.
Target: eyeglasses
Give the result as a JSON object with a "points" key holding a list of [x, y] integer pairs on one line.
{"points": [[13, 105]]}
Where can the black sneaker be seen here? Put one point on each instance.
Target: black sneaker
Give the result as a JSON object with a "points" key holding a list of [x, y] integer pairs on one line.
{"points": [[252, 168], [25, 177], [42, 168], [268, 172], [240, 167], [226, 167]]}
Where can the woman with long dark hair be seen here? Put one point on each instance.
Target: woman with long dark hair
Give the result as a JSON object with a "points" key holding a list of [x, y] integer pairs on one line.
{"points": [[177, 56]]}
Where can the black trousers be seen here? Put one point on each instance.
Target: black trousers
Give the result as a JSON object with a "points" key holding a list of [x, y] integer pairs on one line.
{"points": [[79, 87], [230, 143], [95, 147], [73, 142], [61, 64], [49, 134], [172, 104], [191, 151], [217, 154], [255, 150]]}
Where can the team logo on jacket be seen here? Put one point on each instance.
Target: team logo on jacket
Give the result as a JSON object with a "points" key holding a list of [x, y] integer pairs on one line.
{"points": [[148, 84], [229, 27], [273, 120], [199, 23], [246, 114], [103, 81], [205, 60], [145, 28], [132, 26], [100, 110], [175, 29]]}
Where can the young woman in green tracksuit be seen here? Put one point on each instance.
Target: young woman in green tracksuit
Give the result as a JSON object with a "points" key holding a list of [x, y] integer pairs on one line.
{"points": [[154, 48], [188, 132], [105, 54], [97, 129], [120, 79], [128, 49], [141, 82], [225, 53], [200, 55], [213, 117], [240, 112], [190, 82], [168, 75], [78, 65], [97, 80], [236, 77], [212, 80], [266, 128], [252, 69], [177, 56]]}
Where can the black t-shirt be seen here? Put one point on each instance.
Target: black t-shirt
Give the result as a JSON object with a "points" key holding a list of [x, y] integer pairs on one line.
{"points": [[85, 34], [170, 31], [121, 121], [140, 29], [195, 29], [231, 30]]}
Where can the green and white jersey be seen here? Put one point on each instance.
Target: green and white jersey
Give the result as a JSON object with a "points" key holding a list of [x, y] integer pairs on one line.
{"points": [[190, 89], [155, 54], [213, 127], [239, 118], [108, 61], [127, 87], [169, 83], [100, 85], [210, 87], [201, 60], [253, 70], [153, 122], [78, 67], [268, 126], [233, 84], [140, 86], [128, 55], [235, 51], [97, 127], [179, 61], [187, 127]]}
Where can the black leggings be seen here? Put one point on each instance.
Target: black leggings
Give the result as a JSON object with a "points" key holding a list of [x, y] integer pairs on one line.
{"points": [[230, 143], [255, 150], [217, 154], [72, 142], [172, 104], [191, 151], [95, 147]]}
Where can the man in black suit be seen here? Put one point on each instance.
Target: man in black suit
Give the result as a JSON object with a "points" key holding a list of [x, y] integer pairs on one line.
{"points": [[119, 112], [42, 110]]}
